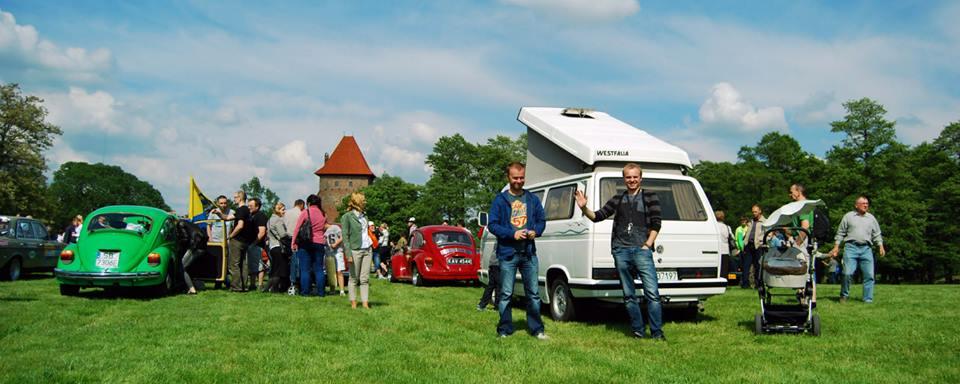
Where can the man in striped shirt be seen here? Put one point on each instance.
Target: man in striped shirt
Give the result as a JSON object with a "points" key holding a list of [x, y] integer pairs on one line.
{"points": [[636, 222]]}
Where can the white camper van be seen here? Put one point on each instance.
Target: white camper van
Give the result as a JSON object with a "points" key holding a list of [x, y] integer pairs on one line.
{"points": [[570, 149]]}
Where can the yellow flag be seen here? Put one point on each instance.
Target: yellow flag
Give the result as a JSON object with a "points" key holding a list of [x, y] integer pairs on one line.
{"points": [[198, 204]]}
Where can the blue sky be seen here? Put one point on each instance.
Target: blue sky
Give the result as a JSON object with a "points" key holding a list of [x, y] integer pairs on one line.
{"points": [[228, 90]]}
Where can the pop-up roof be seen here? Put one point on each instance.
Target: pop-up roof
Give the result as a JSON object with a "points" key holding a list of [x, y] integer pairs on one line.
{"points": [[593, 136]]}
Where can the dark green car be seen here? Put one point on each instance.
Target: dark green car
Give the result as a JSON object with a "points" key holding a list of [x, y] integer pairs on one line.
{"points": [[122, 246], [25, 246]]}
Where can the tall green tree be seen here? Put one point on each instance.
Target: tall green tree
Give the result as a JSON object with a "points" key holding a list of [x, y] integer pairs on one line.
{"points": [[454, 163], [492, 160], [868, 133], [80, 188], [268, 198], [24, 136]]}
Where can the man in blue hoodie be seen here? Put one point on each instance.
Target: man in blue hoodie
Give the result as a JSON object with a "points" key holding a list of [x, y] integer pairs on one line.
{"points": [[516, 219]]}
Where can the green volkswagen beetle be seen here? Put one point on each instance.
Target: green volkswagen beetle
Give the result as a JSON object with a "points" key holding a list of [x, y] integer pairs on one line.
{"points": [[121, 246]]}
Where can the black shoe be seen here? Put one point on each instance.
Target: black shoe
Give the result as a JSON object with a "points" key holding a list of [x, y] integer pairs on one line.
{"points": [[659, 337], [638, 335]]}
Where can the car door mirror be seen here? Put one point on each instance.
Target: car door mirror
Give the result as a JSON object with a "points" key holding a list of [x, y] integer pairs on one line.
{"points": [[482, 219]]}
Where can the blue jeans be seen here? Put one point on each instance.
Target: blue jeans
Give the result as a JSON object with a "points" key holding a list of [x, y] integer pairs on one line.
{"points": [[854, 255], [632, 261], [311, 258], [529, 266], [294, 269]]}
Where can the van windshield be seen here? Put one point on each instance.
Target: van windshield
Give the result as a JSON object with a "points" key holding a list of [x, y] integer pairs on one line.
{"points": [[678, 198]]}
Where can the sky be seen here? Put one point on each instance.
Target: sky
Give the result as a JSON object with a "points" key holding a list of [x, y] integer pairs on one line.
{"points": [[228, 90]]}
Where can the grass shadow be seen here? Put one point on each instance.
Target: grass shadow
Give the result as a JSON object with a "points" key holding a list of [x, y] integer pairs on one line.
{"points": [[15, 299], [115, 293]]}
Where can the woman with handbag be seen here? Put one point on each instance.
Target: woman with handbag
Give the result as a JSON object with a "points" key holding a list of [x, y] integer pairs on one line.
{"points": [[280, 252], [357, 246], [308, 244]]}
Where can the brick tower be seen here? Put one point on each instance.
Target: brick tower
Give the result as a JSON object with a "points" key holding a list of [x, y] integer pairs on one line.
{"points": [[343, 172]]}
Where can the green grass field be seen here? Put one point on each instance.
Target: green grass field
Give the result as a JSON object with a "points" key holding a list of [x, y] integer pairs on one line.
{"points": [[434, 334]]}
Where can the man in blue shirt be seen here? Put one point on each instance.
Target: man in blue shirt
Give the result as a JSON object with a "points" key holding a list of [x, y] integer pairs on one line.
{"points": [[516, 219]]}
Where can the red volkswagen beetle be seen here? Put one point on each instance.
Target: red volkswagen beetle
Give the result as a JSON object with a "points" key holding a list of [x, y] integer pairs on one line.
{"points": [[437, 252]]}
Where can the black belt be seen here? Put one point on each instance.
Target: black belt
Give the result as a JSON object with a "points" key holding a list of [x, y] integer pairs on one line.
{"points": [[857, 243]]}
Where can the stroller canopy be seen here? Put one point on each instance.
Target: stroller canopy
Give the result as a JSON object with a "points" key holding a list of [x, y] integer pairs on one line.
{"points": [[785, 214]]}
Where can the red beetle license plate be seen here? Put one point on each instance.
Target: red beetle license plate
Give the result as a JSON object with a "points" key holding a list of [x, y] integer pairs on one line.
{"points": [[459, 261]]}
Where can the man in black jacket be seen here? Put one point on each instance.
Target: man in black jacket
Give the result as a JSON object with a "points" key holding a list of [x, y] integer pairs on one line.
{"points": [[193, 240], [635, 226]]}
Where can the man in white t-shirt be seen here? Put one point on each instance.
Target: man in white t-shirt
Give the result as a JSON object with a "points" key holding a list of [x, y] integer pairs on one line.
{"points": [[220, 213]]}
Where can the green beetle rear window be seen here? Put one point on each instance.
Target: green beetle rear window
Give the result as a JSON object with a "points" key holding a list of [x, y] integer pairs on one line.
{"points": [[121, 221]]}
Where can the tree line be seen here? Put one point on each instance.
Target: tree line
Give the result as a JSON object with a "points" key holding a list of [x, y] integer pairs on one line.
{"points": [[914, 191]]}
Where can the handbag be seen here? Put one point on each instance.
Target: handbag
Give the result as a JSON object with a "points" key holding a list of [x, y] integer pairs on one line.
{"points": [[305, 233]]}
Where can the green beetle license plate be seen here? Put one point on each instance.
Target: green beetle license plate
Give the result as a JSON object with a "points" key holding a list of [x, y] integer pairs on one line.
{"points": [[107, 259]]}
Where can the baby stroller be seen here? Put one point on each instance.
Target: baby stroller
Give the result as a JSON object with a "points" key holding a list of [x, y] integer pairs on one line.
{"points": [[786, 282]]}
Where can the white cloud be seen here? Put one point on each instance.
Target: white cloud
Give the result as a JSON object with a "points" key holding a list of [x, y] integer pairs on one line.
{"points": [[395, 157], [23, 44], [294, 154], [819, 108], [424, 133], [726, 108], [582, 10]]}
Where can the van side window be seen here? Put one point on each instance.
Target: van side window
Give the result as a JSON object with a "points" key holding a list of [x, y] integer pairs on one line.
{"points": [[539, 195], [24, 230], [39, 231], [678, 198], [559, 203]]}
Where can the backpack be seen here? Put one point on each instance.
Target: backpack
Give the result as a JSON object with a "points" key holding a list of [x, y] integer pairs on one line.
{"points": [[373, 237], [305, 233], [821, 226]]}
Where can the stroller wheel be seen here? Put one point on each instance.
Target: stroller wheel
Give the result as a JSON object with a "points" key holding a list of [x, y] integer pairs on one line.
{"points": [[815, 326], [758, 324]]}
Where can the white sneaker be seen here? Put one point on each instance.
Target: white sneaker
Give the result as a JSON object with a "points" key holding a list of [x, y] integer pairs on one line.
{"points": [[542, 336]]}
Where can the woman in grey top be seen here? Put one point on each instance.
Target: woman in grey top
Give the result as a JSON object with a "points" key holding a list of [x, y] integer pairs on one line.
{"points": [[280, 238]]}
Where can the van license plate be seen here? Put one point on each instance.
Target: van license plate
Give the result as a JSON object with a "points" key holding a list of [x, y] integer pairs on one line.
{"points": [[667, 276], [108, 259]]}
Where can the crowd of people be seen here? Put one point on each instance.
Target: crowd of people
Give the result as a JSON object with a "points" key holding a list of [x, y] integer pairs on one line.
{"points": [[858, 232], [298, 250]]}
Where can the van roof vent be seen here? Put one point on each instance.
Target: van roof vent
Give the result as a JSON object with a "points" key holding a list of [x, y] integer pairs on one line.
{"points": [[583, 113]]}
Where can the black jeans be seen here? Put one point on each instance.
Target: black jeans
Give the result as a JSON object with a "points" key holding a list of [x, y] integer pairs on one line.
{"points": [[279, 271], [750, 257], [493, 287]]}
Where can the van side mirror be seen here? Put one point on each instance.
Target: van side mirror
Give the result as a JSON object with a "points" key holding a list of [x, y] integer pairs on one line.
{"points": [[482, 219]]}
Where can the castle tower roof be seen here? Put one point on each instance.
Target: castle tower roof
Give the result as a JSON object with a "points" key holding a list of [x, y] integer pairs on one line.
{"points": [[346, 159]]}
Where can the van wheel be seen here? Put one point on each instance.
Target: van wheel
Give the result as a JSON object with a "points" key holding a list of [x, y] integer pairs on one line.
{"points": [[69, 290], [11, 271], [561, 301]]}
